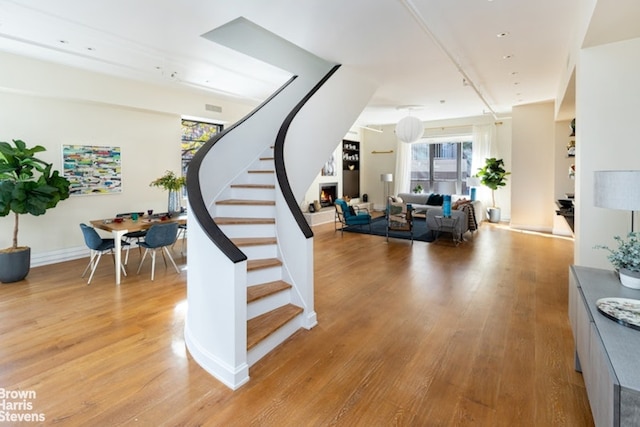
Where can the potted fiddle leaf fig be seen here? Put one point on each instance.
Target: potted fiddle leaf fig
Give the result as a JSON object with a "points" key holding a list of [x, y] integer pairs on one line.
{"points": [[28, 185], [494, 176]]}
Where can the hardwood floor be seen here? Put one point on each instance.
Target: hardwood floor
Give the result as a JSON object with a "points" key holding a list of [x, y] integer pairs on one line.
{"points": [[411, 335]]}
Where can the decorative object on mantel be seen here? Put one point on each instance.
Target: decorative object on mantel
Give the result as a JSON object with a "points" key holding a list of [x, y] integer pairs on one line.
{"points": [[409, 129], [626, 259], [572, 171], [494, 176], [173, 183], [625, 311], [617, 189], [28, 185]]}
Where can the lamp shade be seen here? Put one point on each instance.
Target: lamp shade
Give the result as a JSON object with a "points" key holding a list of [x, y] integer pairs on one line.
{"points": [[446, 187], [410, 129], [386, 177], [473, 181], [617, 190]]}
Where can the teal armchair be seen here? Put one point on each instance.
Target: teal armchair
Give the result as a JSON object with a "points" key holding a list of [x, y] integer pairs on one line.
{"points": [[350, 215]]}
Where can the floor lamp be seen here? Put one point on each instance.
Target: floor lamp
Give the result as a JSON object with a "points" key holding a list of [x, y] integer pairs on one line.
{"points": [[386, 178], [617, 190]]}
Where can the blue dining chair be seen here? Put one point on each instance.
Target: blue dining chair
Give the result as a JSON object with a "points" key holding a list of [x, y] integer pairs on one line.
{"points": [[159, 237], [129, 237], [98, 246]]}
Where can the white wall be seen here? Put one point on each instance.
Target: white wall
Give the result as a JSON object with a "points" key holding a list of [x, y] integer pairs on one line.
{"points": [[607, 107], [50, 105], [533, 167]]}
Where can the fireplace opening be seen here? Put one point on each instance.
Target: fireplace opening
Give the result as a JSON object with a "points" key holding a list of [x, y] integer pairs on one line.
{"points": [[328, 194]]}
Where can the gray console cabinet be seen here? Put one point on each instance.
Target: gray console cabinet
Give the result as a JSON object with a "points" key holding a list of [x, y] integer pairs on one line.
{"points": [[607, 353]]}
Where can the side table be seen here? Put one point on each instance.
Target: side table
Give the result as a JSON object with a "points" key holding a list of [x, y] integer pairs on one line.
{"points": [[447, 224]]}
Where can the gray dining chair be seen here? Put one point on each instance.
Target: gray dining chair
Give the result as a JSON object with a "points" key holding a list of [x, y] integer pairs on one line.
{"points": [[98, 246], [159, 237]]}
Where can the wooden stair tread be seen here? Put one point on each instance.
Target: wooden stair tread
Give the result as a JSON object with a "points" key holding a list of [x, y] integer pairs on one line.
{"points": [[262, 290], [258, 186], [264, 325], [244, 202], [257, 264], [224, 220], [261, 171], [254, 241], [266, 158]]}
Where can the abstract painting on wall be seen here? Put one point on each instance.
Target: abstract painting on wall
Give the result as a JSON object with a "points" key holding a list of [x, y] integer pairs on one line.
{"points": [[92, 169]]}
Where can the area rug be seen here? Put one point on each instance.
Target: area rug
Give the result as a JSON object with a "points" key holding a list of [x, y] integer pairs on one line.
{"points": [[379, 228]]}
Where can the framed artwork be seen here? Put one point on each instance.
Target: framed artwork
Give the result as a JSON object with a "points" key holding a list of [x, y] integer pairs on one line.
{"points": [[92, 169]]}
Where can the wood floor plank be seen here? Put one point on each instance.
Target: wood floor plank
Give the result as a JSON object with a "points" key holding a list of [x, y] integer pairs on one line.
{"points": [[407, 335]]}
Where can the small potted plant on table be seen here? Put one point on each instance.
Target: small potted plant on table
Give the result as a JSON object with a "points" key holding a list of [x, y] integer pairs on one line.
{"points": [[626, 259], [173, 183]]}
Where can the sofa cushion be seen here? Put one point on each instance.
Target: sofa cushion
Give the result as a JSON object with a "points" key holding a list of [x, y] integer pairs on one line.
{"points": [[435, 200]]}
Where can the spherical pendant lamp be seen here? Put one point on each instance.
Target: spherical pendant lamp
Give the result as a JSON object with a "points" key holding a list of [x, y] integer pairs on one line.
{"points": [[409, 130]]}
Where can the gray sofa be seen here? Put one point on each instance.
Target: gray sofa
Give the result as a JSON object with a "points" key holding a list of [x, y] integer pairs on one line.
{"points": [[419, 203], [433, 213]]}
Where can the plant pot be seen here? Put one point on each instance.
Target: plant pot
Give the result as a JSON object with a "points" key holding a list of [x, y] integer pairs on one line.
{"points": [[494, 214], [14, 266], [630, 279]]}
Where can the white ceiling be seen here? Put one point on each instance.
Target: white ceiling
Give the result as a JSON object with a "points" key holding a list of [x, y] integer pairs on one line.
{"points": [[441, 55]]}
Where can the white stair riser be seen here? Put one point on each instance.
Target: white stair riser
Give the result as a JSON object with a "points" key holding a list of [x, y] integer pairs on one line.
{"points": [[260, 251], [246, 211], [267, 304], [252, 230], [264, 275], [263, 165], [253, 193], [274, 340], [260, 178]]}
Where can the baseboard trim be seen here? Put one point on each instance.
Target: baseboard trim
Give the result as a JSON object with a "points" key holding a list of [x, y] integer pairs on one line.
{"points": [[232, 377], [60, 255]]}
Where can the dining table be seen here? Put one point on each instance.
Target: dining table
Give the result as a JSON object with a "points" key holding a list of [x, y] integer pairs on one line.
{"points": [[121, 226]]}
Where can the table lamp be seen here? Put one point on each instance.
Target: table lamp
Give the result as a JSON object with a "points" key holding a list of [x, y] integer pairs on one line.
{"points": [[472, 183], [619, 189], [446, 188]]}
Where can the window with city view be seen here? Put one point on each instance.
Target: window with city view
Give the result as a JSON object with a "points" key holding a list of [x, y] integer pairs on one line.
{"points": [[443, 161]]}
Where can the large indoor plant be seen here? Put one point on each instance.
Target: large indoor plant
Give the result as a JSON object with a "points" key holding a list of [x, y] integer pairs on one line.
{"points": [[28, 185], [494, 176], [626, 259], [173, 183]]}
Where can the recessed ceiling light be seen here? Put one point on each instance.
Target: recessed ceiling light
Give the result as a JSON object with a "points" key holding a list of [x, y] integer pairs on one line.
{"points": [[503, 34], [91, 48], [442, 101], [516, 83], [63, 41], [514, 73], [507, 56]]}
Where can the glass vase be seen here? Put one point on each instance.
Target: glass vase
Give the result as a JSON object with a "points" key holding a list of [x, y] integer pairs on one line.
{"points": [[174, 202]]}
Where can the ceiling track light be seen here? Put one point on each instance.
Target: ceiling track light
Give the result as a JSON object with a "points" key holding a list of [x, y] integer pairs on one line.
{"points": [[423, 25]]}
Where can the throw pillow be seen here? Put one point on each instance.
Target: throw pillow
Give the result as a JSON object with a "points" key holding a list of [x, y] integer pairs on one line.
{"points": [[399, 200], [352, 211], [435, 200]]}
